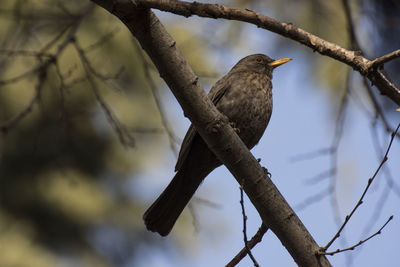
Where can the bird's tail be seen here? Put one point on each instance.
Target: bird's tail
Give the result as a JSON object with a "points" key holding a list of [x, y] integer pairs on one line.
{"points": [[163, 213]]}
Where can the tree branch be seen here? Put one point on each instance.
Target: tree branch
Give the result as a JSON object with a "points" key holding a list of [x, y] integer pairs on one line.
{"points": [[386, 58], [216, 131], [360, 242], [360, 201], [366, 67], [41, 69], [246, 242], [251, 244], [38, 88]]}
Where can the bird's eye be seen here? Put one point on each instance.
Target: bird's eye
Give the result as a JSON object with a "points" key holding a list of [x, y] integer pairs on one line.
{"points": [[258, 60]]}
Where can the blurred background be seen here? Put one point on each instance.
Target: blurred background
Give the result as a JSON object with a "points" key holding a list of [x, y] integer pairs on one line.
{"points": [[89, 136]]}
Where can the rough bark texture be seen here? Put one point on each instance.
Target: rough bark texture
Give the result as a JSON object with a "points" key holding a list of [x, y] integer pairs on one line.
{"points": [[216, 131], [366, 67]]}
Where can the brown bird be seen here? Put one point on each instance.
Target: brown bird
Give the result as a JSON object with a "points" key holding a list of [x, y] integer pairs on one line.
{"points": [[244, 95]]}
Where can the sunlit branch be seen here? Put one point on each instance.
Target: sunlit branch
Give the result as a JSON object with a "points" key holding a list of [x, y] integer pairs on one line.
{"points": [[351, 58]]}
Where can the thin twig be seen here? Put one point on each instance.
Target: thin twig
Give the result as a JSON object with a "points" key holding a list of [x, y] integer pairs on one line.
{"points": [[61, 33], [61, 89], [354, 44], [124, 136], [390, 181], [360, 201], [38, 88], [359, 243], [24, 53], [171, 135], [312, 154], [41, 69], [321, 176], [384, 59], [313, 199], [378, 209], [102, 40], [378, 110], [246, 245], [335, 146], [251, 244], [101, 76], [350, 25]]}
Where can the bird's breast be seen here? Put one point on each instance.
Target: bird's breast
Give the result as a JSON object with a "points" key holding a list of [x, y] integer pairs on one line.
{"points": [[248, 104]]}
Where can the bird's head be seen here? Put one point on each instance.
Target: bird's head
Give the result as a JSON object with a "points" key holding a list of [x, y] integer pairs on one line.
{"points": [[259, 63]]}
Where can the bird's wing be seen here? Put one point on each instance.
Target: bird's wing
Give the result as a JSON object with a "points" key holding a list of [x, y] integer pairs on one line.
{"points": [[219, 90], [185, 147], [215, 94]]}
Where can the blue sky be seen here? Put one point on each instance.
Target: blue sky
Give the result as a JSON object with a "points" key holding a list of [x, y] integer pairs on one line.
{"points": [[302, 122]]}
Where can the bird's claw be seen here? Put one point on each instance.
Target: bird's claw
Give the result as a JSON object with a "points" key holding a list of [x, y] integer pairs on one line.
{"points": [[233, 125], [267, 173]]}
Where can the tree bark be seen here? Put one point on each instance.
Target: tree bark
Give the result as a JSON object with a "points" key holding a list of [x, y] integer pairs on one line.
{"points": [[216, 131], [366, 67]]}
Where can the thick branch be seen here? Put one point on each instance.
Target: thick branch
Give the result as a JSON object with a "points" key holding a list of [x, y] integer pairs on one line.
{"points": [[366, 67], [216, 131]]}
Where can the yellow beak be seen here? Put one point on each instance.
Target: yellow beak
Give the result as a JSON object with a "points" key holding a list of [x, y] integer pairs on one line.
{"points": [[279, 62]]}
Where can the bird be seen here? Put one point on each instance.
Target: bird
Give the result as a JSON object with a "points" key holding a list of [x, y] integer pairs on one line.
{"points": [[244, 95]]}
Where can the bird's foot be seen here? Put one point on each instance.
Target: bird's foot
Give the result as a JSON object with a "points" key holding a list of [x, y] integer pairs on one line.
{"points": [[233, 125], [269, 175]]}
